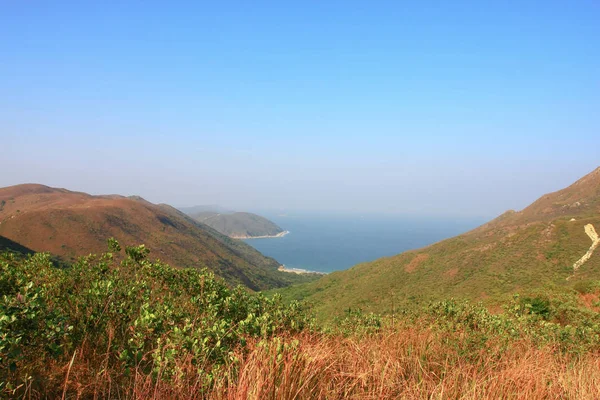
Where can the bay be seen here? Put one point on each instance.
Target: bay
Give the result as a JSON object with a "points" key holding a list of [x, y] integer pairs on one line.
{"points": [[327, 243]]}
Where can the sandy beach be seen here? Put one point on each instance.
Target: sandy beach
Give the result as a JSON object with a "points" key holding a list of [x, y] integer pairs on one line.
{"points": [[280, 234], [299, 271]]}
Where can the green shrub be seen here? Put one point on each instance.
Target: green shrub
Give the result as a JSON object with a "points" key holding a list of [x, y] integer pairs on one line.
{"points": [[147, 314], [355, 321], [536, 306]]}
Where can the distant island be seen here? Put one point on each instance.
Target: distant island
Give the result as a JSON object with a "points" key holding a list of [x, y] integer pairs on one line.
{"points": [[236, 225]]}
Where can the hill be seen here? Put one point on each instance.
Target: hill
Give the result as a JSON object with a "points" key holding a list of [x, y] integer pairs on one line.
{"points": [[520, 251], [239, 225], [9, 245], [71, 224]]}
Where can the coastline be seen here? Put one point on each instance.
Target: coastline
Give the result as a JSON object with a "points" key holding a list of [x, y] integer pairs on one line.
{"points": [[279, 235], [299, 271]]}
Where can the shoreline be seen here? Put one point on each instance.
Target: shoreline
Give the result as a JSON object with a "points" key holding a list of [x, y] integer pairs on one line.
{"points": [[279, 235], [299, 271]]}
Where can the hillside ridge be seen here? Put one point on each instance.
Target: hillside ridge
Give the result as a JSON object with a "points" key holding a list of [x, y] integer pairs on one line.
{"points": [[70, 224], [519, 251]]}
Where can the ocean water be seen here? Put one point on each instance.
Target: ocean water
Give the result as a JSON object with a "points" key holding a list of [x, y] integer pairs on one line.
{"points": [[328, 243]]}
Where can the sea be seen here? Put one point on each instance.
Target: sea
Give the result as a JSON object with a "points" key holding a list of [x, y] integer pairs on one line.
{"points": [[327, 243]]}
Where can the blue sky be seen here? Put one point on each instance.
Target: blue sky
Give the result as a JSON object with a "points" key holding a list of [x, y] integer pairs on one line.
{"points": [[454, 108]]}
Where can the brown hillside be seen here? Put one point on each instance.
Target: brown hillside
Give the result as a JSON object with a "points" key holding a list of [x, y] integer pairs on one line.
{"points": [[581, 199], [71, 224]]}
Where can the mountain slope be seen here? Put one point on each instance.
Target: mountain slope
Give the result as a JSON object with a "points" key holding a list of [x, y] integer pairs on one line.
{"points": [[239, 225], [9, 245], [517, 252], [70, 224]]}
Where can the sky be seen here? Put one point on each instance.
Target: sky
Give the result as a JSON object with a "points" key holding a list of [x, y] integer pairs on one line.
{"points": [[458, 108]]}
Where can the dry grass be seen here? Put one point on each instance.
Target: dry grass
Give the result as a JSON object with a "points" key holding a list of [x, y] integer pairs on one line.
{"points": [[408, 364], [401, 363], [415, 262]]}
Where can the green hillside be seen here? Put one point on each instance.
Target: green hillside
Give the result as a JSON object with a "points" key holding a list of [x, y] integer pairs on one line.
{"points": [[521, 251]]}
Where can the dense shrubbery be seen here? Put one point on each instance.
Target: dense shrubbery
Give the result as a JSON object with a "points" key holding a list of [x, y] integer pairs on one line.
{"points": [[133, 315], [558, 321], [521, 320], [356, 322], [118, 325]]}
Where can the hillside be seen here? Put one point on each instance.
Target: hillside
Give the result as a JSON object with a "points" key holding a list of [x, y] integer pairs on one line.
{"points": [[135, 329], [239, 225], [9, 245], [517, 252], [71, 224]]}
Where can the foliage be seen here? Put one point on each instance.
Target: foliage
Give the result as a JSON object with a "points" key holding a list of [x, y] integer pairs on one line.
{"points": [[139, 315], [536, 306], [520, 321], [357, 322], [118, 325]]}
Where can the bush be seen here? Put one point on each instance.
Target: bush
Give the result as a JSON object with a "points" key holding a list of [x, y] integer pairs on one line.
{"points": [[140, 315]]}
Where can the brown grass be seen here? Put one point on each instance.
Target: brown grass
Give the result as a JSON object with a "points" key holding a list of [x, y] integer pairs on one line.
{"points": [[451, 273], [590, 300], [415, 262], [400, 363]]}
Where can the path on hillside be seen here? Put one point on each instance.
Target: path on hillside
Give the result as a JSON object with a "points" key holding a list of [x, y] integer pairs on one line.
{"points": [[591, 232]]}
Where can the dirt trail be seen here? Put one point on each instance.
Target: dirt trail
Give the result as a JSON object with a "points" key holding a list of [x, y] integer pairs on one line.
{"points": [[591, 232]]}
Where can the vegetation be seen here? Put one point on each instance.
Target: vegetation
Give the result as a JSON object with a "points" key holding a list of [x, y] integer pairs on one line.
{"points": [[132, 328], [72, 224], [113, 322], [120, 326], [525, 251], [238, 224]]}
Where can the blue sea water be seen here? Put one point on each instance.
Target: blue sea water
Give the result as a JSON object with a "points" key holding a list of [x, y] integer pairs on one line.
{"points": [[328, 243]]}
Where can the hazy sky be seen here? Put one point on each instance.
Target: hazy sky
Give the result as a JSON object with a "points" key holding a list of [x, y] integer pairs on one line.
{"points": [[446, 107]]}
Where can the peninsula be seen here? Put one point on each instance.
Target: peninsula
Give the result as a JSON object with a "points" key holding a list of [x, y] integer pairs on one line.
{"points": [[236, 225]]}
